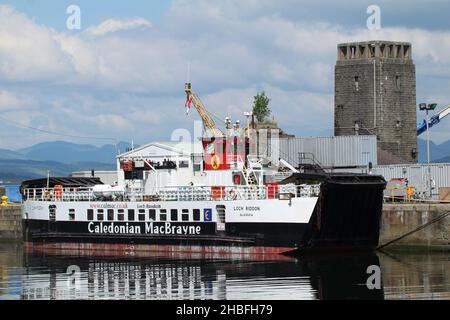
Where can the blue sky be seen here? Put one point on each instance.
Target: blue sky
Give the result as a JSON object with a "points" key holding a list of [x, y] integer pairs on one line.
{"points": [[53, 12], [122, 75]]}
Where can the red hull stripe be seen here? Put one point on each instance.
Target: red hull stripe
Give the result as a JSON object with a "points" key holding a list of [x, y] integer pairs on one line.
{"points": [[169, 251]]}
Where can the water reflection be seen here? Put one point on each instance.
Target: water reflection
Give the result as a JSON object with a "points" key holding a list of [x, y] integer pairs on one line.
{"points": [[34, 276], [416, 276]]}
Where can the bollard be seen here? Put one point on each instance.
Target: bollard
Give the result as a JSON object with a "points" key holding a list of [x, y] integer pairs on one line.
{"points": [[4, 201]]}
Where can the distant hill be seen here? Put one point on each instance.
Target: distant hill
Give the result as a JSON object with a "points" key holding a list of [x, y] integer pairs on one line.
{"points": [[438, 152], [18, 170], [61, 158], [8, 154], [66, 152], [442, 160]]}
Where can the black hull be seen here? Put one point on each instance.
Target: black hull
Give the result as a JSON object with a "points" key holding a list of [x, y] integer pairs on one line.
{"points": [[346, 217], [236, 234]]}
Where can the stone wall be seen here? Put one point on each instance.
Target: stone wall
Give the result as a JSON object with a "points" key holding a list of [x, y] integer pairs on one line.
{"points": [[399, 219], [11, 222]]}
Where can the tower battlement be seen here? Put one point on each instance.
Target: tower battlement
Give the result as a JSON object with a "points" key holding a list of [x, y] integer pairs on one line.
{"points": [[374, 49]]}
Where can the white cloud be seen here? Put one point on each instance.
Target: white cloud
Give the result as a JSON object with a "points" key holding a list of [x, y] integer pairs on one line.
{"points": [[107, 82], [11, 101], [114, 25], [29, 52]]}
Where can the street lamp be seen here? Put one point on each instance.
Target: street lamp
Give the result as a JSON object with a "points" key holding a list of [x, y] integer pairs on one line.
{"points": [[427, 107]]}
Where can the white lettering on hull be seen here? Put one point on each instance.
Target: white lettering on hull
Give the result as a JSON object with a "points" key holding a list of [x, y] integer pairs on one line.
{"points": [[113, 229], [150, 228]]}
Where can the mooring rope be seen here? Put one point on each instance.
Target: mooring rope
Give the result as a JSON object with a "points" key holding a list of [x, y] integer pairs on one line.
{"points": [[442, 216]]}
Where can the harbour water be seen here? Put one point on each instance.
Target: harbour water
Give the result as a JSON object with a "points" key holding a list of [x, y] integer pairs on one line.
{"points": [[403, 276]]}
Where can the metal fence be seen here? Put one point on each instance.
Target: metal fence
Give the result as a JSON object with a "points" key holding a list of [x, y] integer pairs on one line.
{"points": [[418, 175]]}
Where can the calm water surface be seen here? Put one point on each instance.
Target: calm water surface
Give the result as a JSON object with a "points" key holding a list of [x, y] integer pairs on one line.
{"points": [[38, 276]]}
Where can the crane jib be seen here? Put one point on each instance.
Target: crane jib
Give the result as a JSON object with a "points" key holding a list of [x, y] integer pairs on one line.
{"points": [[421, 128]]}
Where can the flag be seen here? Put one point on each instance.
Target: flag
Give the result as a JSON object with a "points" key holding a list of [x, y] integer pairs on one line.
{"points": [[188, 104]]}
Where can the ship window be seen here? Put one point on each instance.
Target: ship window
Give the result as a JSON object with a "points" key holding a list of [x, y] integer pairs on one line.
{"points": [[197, 163], [100, 214], [110, 214], [130, 214], [90, 214], [120, 215], [52, 212], [71, 214], [210, 148], [173, 215], [196, 215], [141, 216], [185, 215], [184, 164], [163, 215], [152, 214]]}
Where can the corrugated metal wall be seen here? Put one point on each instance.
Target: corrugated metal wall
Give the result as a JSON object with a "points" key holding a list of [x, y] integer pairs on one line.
{"points": [[339, 151], [417, 175]]}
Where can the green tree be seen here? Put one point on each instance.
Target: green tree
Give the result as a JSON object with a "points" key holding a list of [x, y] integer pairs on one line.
{"points": [[261, 106]]}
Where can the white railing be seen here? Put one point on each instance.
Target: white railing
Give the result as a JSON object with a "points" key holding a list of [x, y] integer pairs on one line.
{"points": [[179, 193]]}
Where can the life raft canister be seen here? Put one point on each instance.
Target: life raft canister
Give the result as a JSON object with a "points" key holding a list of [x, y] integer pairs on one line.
{"points": [[58, 191]]}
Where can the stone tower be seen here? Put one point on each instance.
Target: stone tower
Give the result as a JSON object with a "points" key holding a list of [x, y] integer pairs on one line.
{"points": [[375, 93]]}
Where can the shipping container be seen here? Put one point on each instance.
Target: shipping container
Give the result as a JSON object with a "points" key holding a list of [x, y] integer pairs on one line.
{"points": [[329, 152]]}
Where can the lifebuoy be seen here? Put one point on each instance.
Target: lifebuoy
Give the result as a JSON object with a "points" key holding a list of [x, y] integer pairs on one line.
{"points": [[232, 194]]}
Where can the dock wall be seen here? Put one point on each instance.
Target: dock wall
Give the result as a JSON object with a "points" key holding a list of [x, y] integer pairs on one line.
{"points": [[11, 222], [400, 219]]}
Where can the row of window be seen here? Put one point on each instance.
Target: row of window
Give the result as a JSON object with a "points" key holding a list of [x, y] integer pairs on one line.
{"points": [[142, 215]]}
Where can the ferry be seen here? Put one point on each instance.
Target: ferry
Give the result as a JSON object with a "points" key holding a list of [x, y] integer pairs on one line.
{"points": [[215, 197]]}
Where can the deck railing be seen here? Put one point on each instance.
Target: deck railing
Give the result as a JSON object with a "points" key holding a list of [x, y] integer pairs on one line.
{"points": [[179, 193]]}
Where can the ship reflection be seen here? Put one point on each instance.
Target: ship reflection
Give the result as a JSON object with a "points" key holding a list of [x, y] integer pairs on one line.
{"points": [[301, 278]]}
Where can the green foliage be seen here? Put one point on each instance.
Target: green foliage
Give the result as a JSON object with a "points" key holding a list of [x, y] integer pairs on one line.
{"points": [[261, 108]]}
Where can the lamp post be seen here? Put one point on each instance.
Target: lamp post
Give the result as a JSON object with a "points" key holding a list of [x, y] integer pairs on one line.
{"points": [[427, 107]]}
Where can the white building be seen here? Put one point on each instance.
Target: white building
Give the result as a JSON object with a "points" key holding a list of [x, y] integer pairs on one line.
{"points": [[168, 164]]}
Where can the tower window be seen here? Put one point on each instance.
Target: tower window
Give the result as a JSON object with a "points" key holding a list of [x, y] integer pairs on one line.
{"points": [[397, 82], [356, 83]]}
